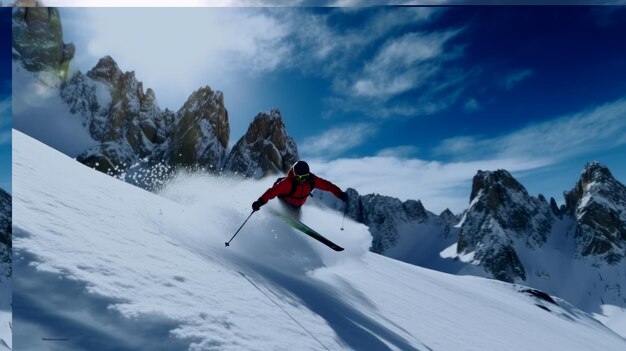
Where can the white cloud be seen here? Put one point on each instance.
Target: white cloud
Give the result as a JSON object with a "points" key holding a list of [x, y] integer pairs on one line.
{"points": [[222, 47], [337, 140], [438, 185], [404, 151], [599, 128], [324, 48], [402, 64], [441, 185], [176, 51], [516, 77]]}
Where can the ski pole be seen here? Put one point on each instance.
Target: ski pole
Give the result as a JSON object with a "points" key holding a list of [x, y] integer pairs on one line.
{"points": [[244, 223], [344, 216]]}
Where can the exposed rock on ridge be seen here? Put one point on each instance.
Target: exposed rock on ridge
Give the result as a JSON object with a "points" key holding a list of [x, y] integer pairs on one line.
{"points": [[598, 202], [501, 214], [384, 216], [266, 148]]}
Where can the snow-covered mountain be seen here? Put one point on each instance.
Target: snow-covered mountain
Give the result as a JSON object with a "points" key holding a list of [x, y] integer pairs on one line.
{"points": [[143, 270], [598, 202], [575, 252], [122, 130], [402, 230], [265, 149], [501, 215], [6, 267]]}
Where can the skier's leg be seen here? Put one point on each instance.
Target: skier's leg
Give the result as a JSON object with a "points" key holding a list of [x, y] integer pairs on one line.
{"points": [[290, 210]]}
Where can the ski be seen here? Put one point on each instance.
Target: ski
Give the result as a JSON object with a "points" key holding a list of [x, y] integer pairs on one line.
{"points": [[307, 230]]}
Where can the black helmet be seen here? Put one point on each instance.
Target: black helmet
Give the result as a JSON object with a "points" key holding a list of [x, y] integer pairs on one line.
{"points": [[301, 168]]}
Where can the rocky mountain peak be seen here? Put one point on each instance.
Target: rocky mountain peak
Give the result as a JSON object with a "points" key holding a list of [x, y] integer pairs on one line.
{"points": [[502, 213], [207, 105], [493, 184], [106, 70], [595, 180], [200, 136], [449, 217], [598, 203], [266, 148], [596, 172]]}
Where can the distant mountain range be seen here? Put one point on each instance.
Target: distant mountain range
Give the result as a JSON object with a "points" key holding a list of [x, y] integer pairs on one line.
{"points": [[576, 251]]}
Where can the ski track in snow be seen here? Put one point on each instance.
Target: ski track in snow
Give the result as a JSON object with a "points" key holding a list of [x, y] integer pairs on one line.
{"points": [[159, 262]]}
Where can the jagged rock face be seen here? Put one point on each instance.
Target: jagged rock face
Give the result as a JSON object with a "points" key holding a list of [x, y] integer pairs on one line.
{"points": [[117, 112], [384, 216], [200, 137], [449, 217], [5, 218], [132, 128], [5, 233], [38, 40], [598, 202], [450, 220], [502, 214], [265, 149]]}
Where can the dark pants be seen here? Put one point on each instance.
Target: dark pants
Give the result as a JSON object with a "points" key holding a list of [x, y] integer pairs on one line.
{"points": [[290, 210]]}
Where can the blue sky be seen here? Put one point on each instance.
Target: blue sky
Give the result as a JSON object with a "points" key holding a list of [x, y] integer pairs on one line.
{"points": [[402, 101], [5, 102]]}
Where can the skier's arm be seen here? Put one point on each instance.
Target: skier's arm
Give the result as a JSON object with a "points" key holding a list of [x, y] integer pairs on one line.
{"points": [[282, 187], [323, 184]]}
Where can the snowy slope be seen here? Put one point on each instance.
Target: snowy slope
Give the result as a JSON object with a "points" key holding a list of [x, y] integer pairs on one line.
{"points": [[39, 111], [157, 267]]}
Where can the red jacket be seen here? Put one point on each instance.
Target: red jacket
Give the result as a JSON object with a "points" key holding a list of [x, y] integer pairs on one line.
{"points": [[303, 189]]}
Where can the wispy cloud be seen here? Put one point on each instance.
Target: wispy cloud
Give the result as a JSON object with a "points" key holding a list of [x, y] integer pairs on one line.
{"points": [[191, 47], [335, 141], [412, 63], [438, 185], [402, 64], [321, 47], [360, 61], [405, 151], [598, 128], [516, 77]]}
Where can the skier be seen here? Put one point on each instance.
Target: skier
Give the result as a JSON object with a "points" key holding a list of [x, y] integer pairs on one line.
{"points": [[295, 188]]}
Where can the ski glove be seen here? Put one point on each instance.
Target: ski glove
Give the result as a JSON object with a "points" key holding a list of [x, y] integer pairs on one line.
{"points": [[257, 205], [344, 196]]}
